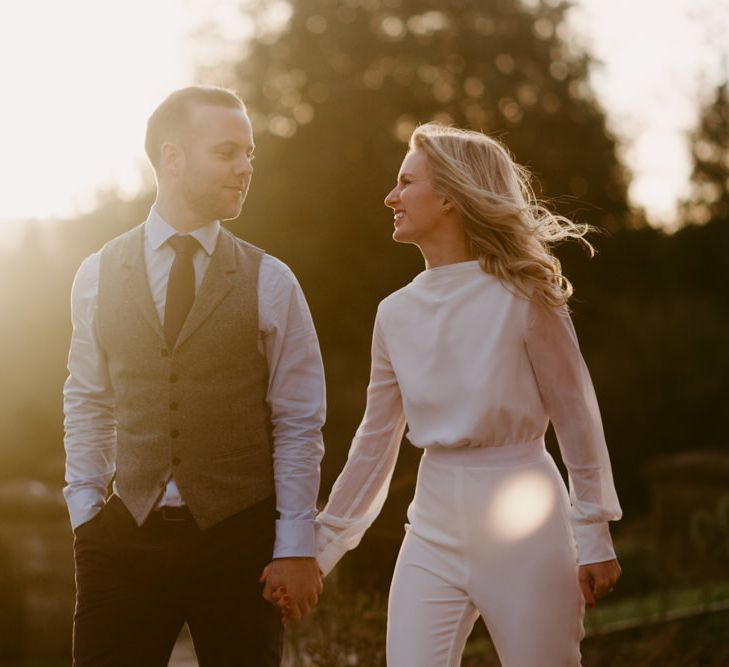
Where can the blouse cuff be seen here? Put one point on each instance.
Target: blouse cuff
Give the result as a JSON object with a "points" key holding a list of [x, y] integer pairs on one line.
{"points": [[594, 544], [329, 557], [329, 550]]}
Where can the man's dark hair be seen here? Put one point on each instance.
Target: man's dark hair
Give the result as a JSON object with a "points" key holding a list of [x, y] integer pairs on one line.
{"points": [[170, 117]]}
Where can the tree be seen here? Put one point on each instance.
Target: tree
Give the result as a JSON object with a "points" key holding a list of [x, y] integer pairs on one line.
{"points": [[710, 150], [351, 80], [334, 90]]}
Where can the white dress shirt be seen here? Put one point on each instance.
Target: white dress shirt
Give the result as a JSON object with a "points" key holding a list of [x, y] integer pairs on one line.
{"points": [[296, 393], [467, 363]]}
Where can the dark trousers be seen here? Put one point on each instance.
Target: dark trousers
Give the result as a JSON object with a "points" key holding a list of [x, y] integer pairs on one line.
{"points": [[137, 586]]}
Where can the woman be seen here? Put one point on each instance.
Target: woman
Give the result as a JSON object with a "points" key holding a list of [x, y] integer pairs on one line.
{"points": [[477, 354]]}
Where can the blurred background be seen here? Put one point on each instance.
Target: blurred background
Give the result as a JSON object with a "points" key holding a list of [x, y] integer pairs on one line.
{"points": [[621, 111]]}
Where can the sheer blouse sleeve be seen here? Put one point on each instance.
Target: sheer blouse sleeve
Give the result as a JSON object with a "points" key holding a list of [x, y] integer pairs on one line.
{"points": [[361, 488], [570, 401]]}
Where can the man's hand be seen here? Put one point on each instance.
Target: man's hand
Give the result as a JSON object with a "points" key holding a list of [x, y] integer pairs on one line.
{"points": [[294, 584], [598, 579]]}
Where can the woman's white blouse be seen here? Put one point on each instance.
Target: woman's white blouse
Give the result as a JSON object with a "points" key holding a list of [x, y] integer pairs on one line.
{"points": [[467, 363]]}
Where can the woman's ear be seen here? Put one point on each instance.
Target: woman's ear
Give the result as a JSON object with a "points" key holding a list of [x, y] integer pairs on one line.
{"points": [[447, 205]]}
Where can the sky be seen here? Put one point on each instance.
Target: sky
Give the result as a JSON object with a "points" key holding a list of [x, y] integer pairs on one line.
{"points": [[83, 75], [657, 62]]}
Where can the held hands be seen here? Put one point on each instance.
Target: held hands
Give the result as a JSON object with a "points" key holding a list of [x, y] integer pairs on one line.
{"points": [[598, 579], [294, 585], [281, 600]]}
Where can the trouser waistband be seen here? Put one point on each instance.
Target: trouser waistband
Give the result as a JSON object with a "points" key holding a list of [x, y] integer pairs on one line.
{"points": [[503, 455]]}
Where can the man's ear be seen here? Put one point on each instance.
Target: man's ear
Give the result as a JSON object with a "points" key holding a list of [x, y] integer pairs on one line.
{"points": [[171, 157]]}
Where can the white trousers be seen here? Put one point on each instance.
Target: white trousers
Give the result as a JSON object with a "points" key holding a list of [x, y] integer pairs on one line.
{"points": [[488, 534]]}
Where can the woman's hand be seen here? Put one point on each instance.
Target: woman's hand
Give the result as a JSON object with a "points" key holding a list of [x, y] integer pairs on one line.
{"points": [[598, 579], [279, 597]]}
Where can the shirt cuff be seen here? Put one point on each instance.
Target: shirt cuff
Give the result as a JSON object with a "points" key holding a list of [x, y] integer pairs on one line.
{"points": [[83, 505], [594, 544], [294, 539]]}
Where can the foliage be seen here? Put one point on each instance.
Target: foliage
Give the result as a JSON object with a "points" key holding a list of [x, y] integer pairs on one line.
{"points": [[652, 312], [710, 150], [347, 628], [341, 85], [36, 282], [698, 641], [709, 536]]}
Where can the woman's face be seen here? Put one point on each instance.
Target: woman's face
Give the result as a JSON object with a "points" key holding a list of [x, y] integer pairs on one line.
{"points": [[418, 209]]}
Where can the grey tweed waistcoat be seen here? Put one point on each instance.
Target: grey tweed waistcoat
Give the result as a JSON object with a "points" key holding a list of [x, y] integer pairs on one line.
{"points": [[197, 412]]}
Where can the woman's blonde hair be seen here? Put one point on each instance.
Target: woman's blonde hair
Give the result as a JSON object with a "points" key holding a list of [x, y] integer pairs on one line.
{"points": [[510, 231]]}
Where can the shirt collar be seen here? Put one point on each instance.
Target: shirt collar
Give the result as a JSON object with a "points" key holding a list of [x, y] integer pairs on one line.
{"points": [[159, 231]]}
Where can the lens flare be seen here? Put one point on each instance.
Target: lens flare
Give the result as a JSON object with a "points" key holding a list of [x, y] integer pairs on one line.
{"points": [[520, 506]]}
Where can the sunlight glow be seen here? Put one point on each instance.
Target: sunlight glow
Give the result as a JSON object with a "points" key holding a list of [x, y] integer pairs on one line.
{"points": [[520, 506], [656, 61], [81, 77]]}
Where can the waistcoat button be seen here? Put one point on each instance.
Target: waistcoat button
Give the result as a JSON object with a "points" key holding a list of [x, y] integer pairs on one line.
{"points": [[174, 433], [174, 378]]}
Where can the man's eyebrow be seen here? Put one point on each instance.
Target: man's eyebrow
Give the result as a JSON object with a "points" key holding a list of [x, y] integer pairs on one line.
{"points": [[229, 143]]}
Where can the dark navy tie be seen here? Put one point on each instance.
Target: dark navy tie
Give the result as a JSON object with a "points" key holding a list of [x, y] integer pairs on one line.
{"points": [[180, 286]]}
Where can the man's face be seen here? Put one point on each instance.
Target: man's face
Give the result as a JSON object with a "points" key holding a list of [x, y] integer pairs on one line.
{"points": [[217, 167]]}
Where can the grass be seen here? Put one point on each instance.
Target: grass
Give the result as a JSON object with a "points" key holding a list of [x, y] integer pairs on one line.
{"points": [[683, 628], [672, 604]]}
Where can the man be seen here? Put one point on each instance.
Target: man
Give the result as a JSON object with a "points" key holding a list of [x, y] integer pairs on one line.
{"points": [[196, 384]]}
